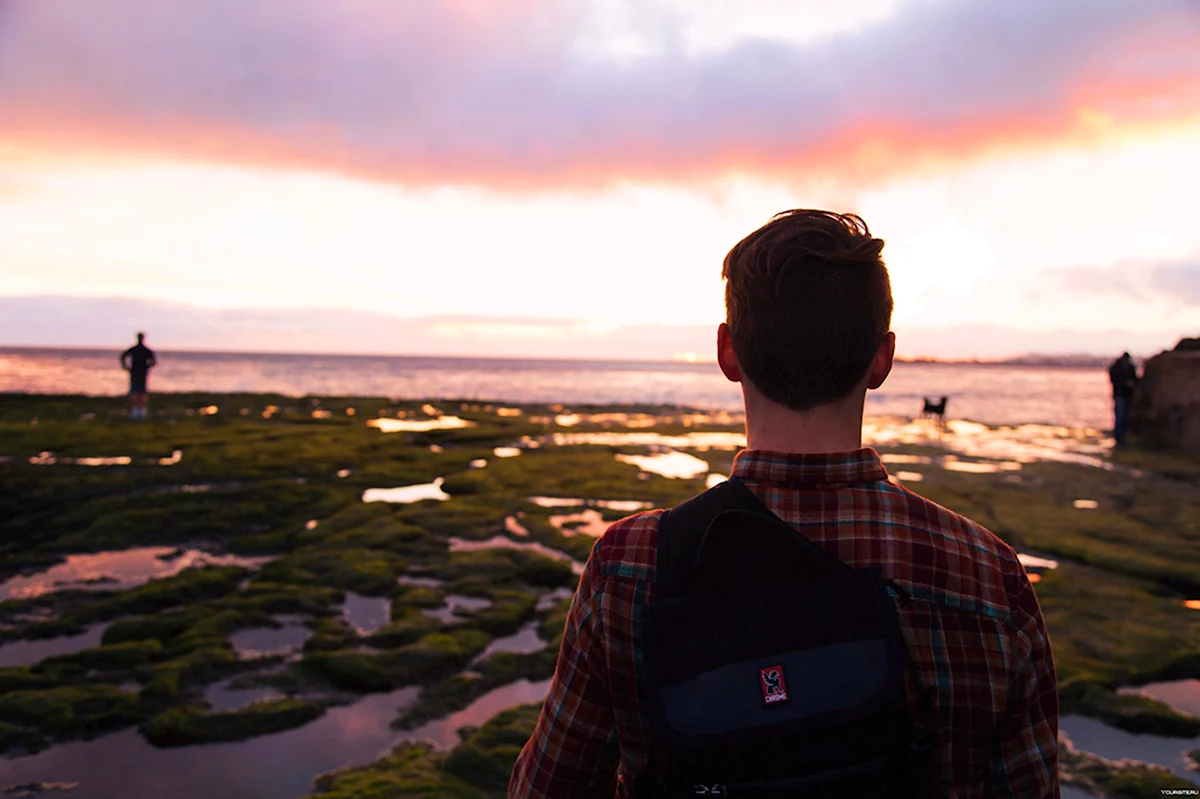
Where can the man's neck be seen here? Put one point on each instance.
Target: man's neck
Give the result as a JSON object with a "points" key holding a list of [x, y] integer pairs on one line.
{"points": [[836, 427]]}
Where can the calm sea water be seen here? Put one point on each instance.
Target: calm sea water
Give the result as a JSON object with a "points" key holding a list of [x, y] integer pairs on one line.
{"points": [[994, 394]]}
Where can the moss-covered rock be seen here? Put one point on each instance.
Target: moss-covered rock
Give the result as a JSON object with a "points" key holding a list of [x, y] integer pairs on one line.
{"points": [[1132, 712], [411, 626], [108, 658], [457, 692], [1122, 779], [191, 725], [366, 571], [428, 658], [69, 712], [478, 768]]}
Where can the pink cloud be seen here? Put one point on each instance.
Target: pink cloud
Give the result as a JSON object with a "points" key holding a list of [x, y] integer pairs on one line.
{"points": [[496, 94]]}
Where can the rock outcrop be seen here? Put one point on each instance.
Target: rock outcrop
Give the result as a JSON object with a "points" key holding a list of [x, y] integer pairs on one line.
{"points": [[1166, 407]]}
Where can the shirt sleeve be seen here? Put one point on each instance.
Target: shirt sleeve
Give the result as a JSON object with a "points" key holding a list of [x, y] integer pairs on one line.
{"points": [[1024, 756], [573, 751]]}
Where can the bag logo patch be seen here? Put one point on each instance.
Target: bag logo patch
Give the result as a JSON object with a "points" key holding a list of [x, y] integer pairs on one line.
{"points": [[774, 687]]}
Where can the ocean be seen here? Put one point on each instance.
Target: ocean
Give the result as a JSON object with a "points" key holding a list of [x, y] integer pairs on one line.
{"points": [[995, 394]]}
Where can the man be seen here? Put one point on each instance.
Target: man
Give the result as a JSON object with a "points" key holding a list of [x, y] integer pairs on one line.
{"points": [[138, 360], [809, 307], [1123, 376]]}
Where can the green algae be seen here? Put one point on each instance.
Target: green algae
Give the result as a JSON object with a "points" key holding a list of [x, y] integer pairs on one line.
{"points": [[425, 659], [366, 571], [182, 726], [68, 712], [405, 627], [1116, 779], [478, 768], [257, 485]]}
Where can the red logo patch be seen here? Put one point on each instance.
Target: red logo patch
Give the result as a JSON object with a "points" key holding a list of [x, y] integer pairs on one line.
{"points": [[774, 686]]}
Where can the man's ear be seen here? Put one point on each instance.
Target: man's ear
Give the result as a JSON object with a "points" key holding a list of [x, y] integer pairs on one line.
{"points": [[881, 364], [726, 357]]}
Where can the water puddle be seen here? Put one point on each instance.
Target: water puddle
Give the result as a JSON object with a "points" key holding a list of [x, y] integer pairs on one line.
{"points": [[423, 582], [26, 653], [699, 440], [501, 542], [506, 452], [900, 458], [909, 477], [258, 642], [514, 527], [443, 732], [1035, 563], [418, 425], [587, 522], [549, 600], [713, 480], [278, 766], [117, 570], [558, 502], [1192, 604], [1023, 443], [952, 464], [457, 607], [1183, 695], [678, 465], [619, 505], [48, 458], [407, 494], [1091, 735], [523, 641], [366, 613], [222, 699], [1086, 504]]}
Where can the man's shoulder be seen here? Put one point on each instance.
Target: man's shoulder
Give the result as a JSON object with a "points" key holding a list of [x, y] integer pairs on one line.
{"points": [[629, 547], [941, 522], [971, 559]]}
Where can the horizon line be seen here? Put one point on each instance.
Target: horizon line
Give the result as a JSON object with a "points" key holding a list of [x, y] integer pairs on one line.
{"points": [[1027, 359]]}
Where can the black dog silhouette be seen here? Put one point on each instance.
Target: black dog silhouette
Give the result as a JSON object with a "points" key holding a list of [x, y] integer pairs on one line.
{"points": [[935, 410]]}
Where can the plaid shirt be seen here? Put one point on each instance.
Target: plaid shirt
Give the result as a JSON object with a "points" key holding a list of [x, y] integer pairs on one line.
{"points": [[973, 628]]}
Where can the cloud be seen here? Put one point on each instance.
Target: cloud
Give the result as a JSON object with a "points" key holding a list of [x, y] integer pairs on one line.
{"points": [[1175, 281], [502, 95], [58, 321], [1180, 280]]}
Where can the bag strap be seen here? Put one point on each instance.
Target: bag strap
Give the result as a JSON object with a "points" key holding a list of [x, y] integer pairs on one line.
{"points": [[719, 531], [681, 530]]}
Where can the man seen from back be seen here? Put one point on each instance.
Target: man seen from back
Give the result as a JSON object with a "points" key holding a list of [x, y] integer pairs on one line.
{"points": [[807, 334]]}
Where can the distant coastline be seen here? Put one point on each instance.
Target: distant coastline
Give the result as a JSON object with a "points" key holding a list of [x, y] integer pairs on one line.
{"points": [[1068, 360]]}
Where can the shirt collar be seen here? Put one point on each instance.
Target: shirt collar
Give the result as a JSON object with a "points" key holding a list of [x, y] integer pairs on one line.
{"points": [[762, 465]]}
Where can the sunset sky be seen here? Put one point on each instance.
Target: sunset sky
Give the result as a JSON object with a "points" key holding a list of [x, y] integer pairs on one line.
{"points": [[564, 177]]}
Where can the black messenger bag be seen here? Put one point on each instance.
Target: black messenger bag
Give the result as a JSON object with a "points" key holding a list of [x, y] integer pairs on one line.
{"points": [[773, 669]]}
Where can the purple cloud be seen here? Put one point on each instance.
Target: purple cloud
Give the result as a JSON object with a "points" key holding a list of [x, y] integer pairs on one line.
{"points": [[445, 92]]}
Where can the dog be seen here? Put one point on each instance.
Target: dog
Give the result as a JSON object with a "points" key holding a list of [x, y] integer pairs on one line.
{"points": [[935, 410]]}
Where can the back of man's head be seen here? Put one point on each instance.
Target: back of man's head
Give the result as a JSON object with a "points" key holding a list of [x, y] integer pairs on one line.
{"points": [[141, 336], [808, 302]]}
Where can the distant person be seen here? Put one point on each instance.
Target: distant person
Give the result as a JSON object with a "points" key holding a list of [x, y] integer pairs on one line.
{"points": [[807, 628], [138, 360], [1124, 378]]}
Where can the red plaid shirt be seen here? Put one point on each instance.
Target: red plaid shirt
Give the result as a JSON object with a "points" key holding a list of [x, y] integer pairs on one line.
{"points": [[973, 629]]}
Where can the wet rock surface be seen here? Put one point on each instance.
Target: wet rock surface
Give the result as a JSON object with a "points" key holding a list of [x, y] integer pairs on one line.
{"points": [[402, 622], [1166, 406]]}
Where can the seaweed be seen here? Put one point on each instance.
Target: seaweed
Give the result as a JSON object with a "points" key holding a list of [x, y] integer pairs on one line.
{"points": [[191, 725]]}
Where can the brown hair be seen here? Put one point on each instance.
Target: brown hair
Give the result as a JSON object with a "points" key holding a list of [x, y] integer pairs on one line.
{"points": [[808, 302]]}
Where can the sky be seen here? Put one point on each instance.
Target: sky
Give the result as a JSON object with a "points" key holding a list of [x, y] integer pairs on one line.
{"points": [[564, 177]]}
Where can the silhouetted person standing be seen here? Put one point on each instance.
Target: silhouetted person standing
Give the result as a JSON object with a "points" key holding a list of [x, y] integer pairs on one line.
{"points": [[1124, 377], [138, 360]]}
